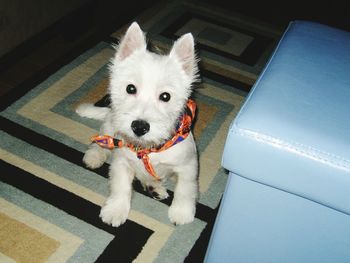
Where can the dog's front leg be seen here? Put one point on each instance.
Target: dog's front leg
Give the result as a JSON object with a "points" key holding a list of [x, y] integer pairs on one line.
{"points": [[95, 156], [117, 207], [183, 207]]}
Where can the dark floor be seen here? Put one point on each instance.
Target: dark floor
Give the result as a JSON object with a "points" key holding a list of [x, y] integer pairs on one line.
{"points": [[87, 26]]}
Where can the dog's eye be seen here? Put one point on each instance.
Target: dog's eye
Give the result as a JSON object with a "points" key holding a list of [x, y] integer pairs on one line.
{"points": [[131, 89], [165, 96]]}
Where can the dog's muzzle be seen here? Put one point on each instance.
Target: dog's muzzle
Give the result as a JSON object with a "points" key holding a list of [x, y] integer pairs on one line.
{"points": [[140, 127]]}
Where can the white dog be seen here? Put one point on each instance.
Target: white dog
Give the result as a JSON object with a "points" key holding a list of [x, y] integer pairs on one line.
{"points": [[148, 112]]}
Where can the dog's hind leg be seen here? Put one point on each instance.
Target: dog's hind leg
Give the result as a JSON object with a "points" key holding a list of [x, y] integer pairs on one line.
{"points": [[156, 190]]}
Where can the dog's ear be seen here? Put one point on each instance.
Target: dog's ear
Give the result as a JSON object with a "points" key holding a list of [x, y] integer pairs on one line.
{"points": [[134, 39], [183, 50]]}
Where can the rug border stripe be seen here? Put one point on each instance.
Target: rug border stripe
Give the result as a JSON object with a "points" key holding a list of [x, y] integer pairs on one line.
{"points": [[72, 155], [87, 211]]}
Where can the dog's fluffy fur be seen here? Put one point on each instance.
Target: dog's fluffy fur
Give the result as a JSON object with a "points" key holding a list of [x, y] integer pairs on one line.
{"points": [[152, 75]]}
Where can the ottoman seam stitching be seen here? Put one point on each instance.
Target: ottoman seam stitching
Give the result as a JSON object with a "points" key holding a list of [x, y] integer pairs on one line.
{"points": [[310, 151]]}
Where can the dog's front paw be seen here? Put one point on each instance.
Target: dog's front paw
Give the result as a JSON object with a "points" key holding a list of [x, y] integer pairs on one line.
{"points": [[115, 212], [94, 158], [180, 214]]}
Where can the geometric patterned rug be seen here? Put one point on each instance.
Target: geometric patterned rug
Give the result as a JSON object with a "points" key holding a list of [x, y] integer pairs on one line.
{"points": [[50, 202]]}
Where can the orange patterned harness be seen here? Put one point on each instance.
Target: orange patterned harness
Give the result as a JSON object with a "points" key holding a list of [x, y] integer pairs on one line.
{"points": [[183, 130]]}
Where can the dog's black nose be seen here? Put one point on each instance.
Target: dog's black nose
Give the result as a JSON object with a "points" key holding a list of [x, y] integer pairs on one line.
{"points": [[140, 127]]}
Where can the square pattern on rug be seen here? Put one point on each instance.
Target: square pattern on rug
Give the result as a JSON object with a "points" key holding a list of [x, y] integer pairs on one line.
{"points": [[43, 141], [231, 47]]}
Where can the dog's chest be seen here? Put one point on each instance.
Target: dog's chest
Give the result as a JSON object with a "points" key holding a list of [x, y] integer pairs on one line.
{"points": [[163, 163]]}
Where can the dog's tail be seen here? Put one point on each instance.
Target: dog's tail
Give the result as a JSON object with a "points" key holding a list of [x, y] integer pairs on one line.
{"points": [[91, 111]]}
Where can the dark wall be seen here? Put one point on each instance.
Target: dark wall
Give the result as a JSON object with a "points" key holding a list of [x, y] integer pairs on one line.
{"points": [[334, 13]]}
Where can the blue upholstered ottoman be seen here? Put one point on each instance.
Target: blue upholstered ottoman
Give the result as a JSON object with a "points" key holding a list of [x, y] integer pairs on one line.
{"points": [[288, 154]]}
